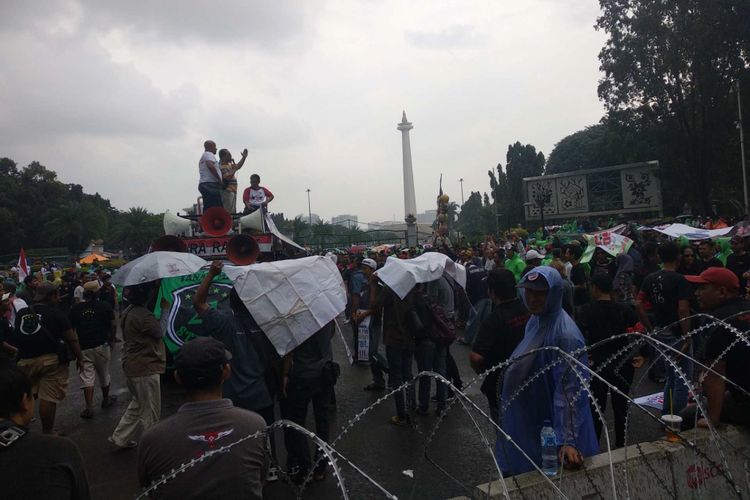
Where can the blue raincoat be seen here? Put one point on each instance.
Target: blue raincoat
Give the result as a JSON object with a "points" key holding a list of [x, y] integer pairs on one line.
{"points": [[555, 395]]}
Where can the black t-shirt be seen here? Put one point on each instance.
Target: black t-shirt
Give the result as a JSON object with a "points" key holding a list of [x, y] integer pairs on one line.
{"points": [[6, 331], [601, 320], [739, 264], [712, 262], [107, 295], [476, 283], [93, 322], [498, 336], [738, 356], [663, 290], [608, 267], [41, 466], [33, 342], [578, 277]]}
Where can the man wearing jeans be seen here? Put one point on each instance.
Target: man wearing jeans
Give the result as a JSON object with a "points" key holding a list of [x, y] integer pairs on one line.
{"points": [[399, 345], [143, 360], [210, 182]]}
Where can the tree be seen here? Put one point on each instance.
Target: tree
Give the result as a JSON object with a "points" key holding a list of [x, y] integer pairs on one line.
{"points": [[668, 68], [522, 161], [500, 197], [300, 229], [471, 221], [137, 228], [74, 224]]}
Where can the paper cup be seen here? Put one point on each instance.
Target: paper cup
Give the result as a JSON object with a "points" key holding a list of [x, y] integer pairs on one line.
{"points": [[672, 423]]}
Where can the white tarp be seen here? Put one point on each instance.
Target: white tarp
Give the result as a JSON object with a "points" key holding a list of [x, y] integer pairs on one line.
{"points": [[275, 231], [691, 233], [290, 299], [401, 275]]}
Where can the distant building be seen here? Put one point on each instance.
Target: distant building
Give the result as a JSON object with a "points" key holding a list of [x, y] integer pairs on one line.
{"points": [[346, 220], [427, 217]]}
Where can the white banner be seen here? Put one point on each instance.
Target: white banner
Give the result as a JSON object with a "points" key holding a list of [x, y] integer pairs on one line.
{"points": [[401, 275], [290, 299], [692, 233]]}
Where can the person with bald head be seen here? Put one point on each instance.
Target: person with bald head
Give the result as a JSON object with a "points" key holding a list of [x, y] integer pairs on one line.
{"points": [[210, 182]]}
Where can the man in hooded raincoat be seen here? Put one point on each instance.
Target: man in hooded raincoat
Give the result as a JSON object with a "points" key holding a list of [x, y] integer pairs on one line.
{"points": [[556, 394]]}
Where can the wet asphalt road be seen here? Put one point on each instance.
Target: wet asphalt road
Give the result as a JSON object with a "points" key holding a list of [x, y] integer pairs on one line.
{"points": [[455, 460]]}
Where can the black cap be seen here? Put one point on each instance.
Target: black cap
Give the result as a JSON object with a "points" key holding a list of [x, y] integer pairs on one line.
{"points": [[201, 353], [534, 281]]}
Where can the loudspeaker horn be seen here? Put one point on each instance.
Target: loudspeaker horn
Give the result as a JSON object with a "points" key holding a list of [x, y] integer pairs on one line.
{"points": [[168, 243], [252, 221], [243, 250], [174, 224], [216, 221]]}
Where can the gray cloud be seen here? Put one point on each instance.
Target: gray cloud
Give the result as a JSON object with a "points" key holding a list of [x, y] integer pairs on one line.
{"points": [[275, 24], [454, 36], [63, 86]]}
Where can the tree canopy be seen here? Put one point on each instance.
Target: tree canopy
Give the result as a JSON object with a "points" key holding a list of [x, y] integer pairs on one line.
{"points": [[39, 211], [670, 68]]}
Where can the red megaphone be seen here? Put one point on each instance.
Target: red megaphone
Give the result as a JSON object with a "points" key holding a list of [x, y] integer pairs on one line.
{"points": [[243, 250], [216, 221]]}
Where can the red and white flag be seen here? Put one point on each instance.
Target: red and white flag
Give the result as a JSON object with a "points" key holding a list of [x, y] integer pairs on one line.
{"points": [[22, 266]]}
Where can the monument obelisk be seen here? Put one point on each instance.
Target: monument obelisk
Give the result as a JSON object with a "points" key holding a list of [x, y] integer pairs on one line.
{"points": [[410, 199]]}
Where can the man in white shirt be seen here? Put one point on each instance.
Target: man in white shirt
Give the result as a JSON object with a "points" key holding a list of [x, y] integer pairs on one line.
{"points": [[210, 183]]}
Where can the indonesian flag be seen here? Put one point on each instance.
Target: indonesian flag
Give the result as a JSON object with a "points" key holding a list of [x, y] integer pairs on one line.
{"points": [[23, 266]]}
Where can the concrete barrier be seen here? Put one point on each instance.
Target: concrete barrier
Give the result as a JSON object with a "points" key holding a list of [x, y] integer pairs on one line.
{"points": [[656, 470]]}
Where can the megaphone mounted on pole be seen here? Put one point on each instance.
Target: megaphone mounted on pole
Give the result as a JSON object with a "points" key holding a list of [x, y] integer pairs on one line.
{"points": [[175, 225], [216, 221], [243, 250], [252, 221]]}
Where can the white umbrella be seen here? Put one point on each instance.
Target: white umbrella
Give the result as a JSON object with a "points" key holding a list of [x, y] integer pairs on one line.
{"points": [[157, 265]]}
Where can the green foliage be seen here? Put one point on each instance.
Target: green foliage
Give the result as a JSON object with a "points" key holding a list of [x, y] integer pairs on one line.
{"points": [[669, 68], [476, 218], [601, 145], [39, 211], [136, 229], [522, 161]]}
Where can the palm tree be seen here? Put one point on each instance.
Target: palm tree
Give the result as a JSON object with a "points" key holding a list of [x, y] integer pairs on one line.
{"points": [[75, 223], [299, 229], [137, 228]]}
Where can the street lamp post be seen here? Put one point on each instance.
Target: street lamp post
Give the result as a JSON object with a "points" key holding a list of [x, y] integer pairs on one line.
{"points": [[309, 210], [461, 180], [742, 147]]}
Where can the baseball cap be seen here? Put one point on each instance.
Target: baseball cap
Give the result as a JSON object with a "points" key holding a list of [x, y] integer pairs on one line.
{"points": [[92, 286], [44, 291], [716, 276], [533, 255], [369, 263], [201, 353], [534, 281]]}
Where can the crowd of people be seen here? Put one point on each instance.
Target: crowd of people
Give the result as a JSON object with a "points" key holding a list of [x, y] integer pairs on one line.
{"points": [[534, 316], [521, 298]]}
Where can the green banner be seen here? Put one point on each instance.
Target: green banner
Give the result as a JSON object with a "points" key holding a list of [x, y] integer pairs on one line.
{"points": [[175, 301]]}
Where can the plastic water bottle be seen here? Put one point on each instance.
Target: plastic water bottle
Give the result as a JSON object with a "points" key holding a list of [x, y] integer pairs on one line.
{"points": [[549, 449]]}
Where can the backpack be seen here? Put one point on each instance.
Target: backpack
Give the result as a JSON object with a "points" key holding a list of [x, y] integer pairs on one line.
{"points": [[443, 330]]}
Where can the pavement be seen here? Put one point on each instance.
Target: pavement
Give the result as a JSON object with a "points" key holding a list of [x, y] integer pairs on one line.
{"points": [[401, 460]]}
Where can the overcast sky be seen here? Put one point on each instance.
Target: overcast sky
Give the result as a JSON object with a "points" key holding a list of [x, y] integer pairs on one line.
{"points": [[119, 96]]}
